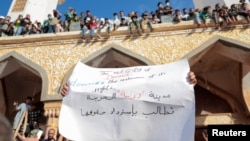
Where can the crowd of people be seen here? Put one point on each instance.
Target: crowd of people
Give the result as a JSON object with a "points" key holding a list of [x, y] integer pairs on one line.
{"points": [[220, 14], [30, 131]]}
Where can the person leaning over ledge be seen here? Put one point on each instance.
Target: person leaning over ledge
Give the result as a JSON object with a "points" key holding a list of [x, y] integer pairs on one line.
{"points": [[145, 22], [191, 79]]}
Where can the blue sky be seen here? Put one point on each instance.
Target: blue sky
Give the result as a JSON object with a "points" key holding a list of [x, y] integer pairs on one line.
{"points": [[106, 8]]}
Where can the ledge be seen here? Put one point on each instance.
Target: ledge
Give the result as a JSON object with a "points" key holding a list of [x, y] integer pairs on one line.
{"points": [[159, 29]]}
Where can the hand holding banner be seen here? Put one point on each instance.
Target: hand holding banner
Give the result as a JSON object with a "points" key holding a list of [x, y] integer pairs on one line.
{"points": [[146, 103]]}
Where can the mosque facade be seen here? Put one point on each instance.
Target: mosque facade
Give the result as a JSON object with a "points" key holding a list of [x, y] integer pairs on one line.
{"points": [[39, 65]]}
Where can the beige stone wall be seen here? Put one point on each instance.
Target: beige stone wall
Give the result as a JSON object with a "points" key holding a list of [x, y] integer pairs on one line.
{"points": [[57, 57]]}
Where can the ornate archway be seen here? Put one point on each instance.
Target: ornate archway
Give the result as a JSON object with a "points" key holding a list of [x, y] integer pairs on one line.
{"points": [[19, 78], [222, 67]]}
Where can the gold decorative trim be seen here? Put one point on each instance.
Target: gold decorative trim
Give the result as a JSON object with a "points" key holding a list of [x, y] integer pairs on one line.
{"points": [[52, 109], [221, 118], [54, 104], [55, 126], [19, 6]]}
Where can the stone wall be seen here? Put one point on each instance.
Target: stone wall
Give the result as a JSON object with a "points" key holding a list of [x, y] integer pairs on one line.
{"points": [[59, 55]]}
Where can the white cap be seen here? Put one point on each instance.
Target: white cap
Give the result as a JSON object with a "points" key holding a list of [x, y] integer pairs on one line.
{"points": [[2, 17], [102, 19]]}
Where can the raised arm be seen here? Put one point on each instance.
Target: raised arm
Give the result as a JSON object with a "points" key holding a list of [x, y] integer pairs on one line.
{"points": [[15, 104]]}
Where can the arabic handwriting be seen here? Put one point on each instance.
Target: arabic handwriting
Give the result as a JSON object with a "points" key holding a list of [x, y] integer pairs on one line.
{"points": [[131, 96], [102, 89], [161, 111], [99, 98], [92, 113], [158, 97], [133, 112]]}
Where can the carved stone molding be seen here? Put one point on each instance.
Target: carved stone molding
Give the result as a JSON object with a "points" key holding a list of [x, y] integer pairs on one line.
{"points": [[52, 109], [222, 118], [52, 112]]}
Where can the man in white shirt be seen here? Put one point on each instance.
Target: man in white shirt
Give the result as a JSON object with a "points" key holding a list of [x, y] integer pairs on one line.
{"points": [[20, 110]]}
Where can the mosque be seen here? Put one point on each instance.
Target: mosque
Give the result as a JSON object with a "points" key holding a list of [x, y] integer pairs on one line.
{"points": [[39, 65]]}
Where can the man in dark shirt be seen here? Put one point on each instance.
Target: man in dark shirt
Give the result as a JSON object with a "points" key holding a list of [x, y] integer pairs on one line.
{"points": [[34, 116]]}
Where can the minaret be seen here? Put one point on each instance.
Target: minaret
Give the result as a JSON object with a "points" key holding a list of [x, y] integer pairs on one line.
{"points": [[38, 9], [202, 3]]}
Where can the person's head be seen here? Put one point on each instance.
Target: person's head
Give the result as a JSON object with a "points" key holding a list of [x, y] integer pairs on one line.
{"points": [[184, 10], [5, 129], [11, 24], [61, 22], [115, 15], [177, 12], [88, 13], [106, 20], [82, 14], [152, 13], [136, 13], [167, 2], [121, 13], [191, 10], [197, 10], [7, 18], [131, 14], [55, 11], [49, 16], [33, 26], [70, 8], [28, 16], [217, 6], [207, 9], [35, 124], [33, 107], [2, 17], [28, 100], [38, 24], [93, 19], [145, 15], [242, 1], [20, 16], [51, 133], [123, 20], [160, 5]]}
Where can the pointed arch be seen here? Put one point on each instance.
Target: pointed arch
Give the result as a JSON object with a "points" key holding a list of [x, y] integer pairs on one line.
{"points": [[117, 54], [222, 66], [14, 62]]}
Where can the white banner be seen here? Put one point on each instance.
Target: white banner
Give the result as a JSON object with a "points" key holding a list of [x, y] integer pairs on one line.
{"points": [[146, 103]]}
